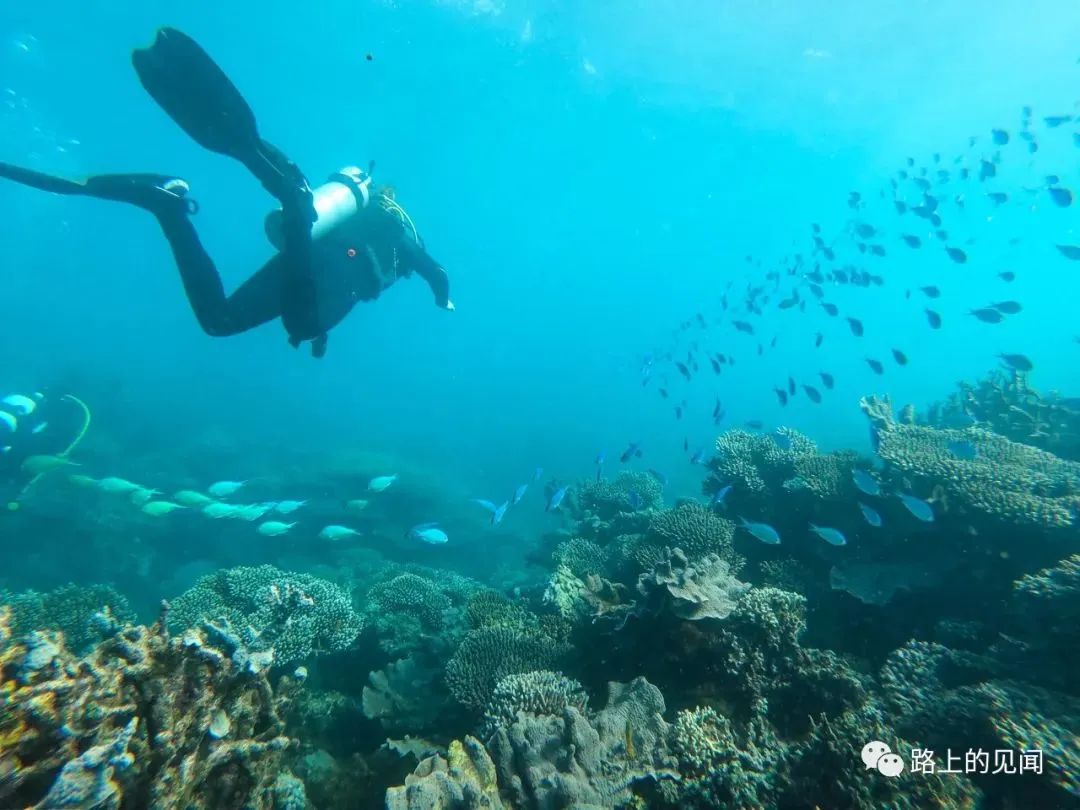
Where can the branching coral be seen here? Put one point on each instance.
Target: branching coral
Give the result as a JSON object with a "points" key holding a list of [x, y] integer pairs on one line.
{"points": [[69, 608], [144, 720], [539, 692], [1000, 479], [582, 557], [413, 595], [294, 615], [697, 531], [606, 498], [489, 654]]}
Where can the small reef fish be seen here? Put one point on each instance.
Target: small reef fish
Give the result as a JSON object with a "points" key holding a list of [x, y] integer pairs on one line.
{"points": [[117, 485], [556, 498], [988, 315], [930, 291], [1008, 307], [82, 480], [875, 365], [223, 489], [659, 476], [633, 451], [899, 357], [720, 494], [159, 508], [189, 497], [356, 505], [918, 507], [217, 510], [39, 465], [537, 474], [827, 379], [273, 528], [252, 512], [486, 504], [288, 507], [381, 482], [428, 533], [834, 537], [865, 482], [933, 319], [762, 531], [1017, 362], [337, 532], [700, 456], [813, 394], [142, 496], [871, 516], [499, 513], [519, 493], [856, 326]]}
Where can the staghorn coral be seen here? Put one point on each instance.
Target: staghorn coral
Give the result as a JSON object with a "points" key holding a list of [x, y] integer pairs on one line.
{"points": [[1005, 481], [127, 725], [539, 692], [697, 531], [489, 654], [465, 780], [572, 760], [755, 463], [293, 615], [412, 595], [69, 609], [705, 590], [582, 557], [489, 608]]}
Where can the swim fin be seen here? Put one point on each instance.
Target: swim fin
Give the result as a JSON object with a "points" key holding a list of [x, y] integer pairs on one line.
{"points": [[158, 193], [190, 87]]}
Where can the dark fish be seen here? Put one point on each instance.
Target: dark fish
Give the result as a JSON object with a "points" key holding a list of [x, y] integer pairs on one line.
{"points": [[781, 395], [812, 393], [1007, 307], [1069, 252], [1007, 275], [935, 220], [942, 235], [998, 197], [685, 444], [987, 315], [826, 379], [956, 254], [829, 254], [910, 240], [683, 369], [986, 169], [930, 291], [877, 250], [999, 136], [743, 326], [788, 303], [832, 309], [717, 409], [933, 318], [817, 339], [899, 357], [791, 386], [856, 326], [1054, 121], [633, 451], [663, 392], [922, 183], [817, 291], [901, 206], [754, 424], [760, 350], [678, 412], [865, 230], [715, 364], [699, 457], [1061, 196], [815, 227], [862, 247], [875, 365], [1018, 362]]}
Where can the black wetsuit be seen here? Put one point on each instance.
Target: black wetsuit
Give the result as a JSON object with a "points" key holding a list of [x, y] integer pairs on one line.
{"points": [[310, 285]]}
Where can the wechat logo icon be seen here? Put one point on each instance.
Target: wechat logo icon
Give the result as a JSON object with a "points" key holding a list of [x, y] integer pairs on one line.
{"points": [[877, 756]]}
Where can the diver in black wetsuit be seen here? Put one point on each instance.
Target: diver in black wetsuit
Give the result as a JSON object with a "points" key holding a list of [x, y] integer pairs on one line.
{"points": [[344, 242]]}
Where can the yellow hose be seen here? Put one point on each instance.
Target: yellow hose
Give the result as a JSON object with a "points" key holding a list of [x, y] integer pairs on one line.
{"points": [[391, 205], [13, 506]]}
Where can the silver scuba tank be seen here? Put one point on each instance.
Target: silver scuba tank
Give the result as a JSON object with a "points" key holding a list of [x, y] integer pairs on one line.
{"points": [[336, 201]]}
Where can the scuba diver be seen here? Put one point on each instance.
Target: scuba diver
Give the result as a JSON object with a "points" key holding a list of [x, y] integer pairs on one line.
{"points": [[344, 242], [35, 426]]}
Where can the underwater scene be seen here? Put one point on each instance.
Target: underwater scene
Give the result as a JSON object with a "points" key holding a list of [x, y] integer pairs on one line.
{"points": [[719, 448]]}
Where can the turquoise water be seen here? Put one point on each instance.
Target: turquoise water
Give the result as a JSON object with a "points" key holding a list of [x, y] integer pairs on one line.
{"points": [[592, 177]]}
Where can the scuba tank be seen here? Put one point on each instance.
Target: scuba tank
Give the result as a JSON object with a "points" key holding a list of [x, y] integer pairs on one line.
{"points": [[343, 195]]}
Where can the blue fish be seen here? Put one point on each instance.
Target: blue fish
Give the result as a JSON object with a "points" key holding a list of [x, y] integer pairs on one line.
{"points": [[499, 513], [600, 458], [488, 505], [963, 450], [762, 531], [865, 482], [633, 451], [699, 457], [519, 493], [659, 476], [720, 494], [833, 537], [919, 508], [871, 515], [634, 499], [537, 474], [556, 499], [428, 533]]}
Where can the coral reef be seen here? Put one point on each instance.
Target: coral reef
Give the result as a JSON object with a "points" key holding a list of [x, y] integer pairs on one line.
{"points": [[293, 615], [406, 696], [69, 609], [465, 780], [489, 654], [539, 692], [607, 498], [697, 531], [128, 724], [581, 557], [704, 590], [1001, 479]]}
